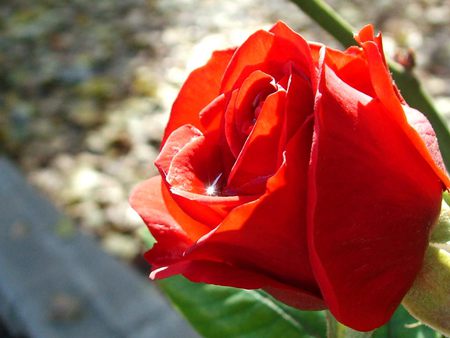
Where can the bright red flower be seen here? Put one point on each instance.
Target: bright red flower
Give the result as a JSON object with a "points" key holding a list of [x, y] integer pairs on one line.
{"points": [[299, 169]]}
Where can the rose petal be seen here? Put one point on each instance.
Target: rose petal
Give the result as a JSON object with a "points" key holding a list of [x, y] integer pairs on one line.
{"points": [[386, 93], [371, 205], [189, 169], [227, 275], [260, 156], [212, 115], [268, 52], [210, 210], [158, 212], [177, 140], [294, 297], [212, 119], [191, 166], [253, 232], [282, 30], [217, 273], [200, 88], [240, 113], [350, 65], [189, 161], [299, 103], [423, 127]]}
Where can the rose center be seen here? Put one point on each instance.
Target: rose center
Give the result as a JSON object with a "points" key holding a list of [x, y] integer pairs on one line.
{"points": [[254, 108]]}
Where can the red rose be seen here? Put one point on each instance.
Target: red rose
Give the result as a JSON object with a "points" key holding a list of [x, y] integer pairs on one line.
{"points": [[299, 169]]}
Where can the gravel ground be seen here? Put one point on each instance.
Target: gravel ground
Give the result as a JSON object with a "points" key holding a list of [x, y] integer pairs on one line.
{"points": [[87, 88]]}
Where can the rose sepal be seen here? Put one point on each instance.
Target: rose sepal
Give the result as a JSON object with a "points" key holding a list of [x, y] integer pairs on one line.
{"points": [[429, 298]]}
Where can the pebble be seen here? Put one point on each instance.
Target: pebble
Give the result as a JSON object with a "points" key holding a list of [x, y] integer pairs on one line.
{"points": [[121, 245]]}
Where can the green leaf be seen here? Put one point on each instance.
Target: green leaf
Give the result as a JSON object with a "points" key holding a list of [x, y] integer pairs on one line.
{"points": [[217, 311], [446, 197], [403, 325]]}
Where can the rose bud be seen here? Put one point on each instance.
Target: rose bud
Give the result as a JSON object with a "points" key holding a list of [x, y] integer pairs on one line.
{"points": [[299, 169]]}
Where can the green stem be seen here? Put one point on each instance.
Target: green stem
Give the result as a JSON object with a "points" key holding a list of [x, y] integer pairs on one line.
{"points": [[338, 330], [328, 19], [409, 85]]}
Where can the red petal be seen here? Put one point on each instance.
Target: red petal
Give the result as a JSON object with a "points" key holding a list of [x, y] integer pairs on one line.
{"points": [[200, 88], [367, 33], [351, 66], [189, 170], [423, 127], [260, 156], [223, 274], [191, 164], [240, 112], [177, 140], [280, 29], [294, 297], [372, 201], [269, 235], [386, 93], [172, 239], [268, 52], [210, 210], [211, 116], [189, 161], [154, 204], [299, 103], [217, 273]]}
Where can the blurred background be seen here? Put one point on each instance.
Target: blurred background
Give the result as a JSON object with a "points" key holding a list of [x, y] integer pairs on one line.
{"points": [[86, 86]]}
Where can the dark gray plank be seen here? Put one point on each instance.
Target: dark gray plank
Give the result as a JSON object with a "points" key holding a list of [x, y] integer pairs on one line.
{"points": [[66, 286]]}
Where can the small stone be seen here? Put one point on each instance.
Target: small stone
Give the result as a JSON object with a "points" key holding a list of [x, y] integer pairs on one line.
{"points": [[64, 308], [120, 245], [90, 215], [83, 181], [123, 216], [438, 15], [85, 114], [65, 228], [108, 192], [18, 230]]}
